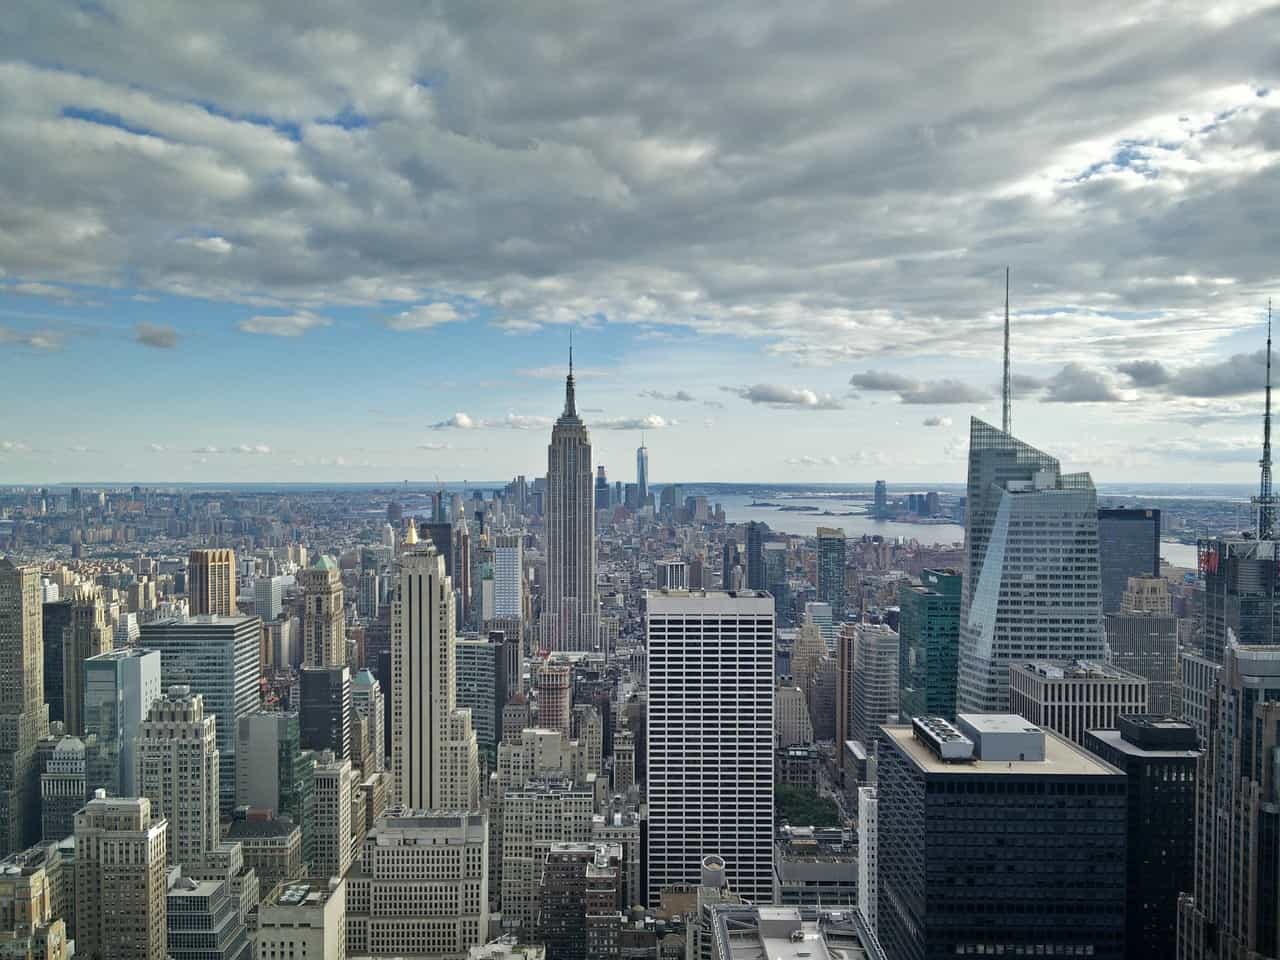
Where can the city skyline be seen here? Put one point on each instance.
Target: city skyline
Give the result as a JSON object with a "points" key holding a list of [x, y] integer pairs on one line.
{"points": [[820, 215]]}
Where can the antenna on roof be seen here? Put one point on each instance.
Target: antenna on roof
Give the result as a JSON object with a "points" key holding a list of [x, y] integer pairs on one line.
{"points": [[1005, 392], [1265, 501]]}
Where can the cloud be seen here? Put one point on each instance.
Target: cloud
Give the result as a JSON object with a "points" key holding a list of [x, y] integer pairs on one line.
{"points": [[13, 446], [35, 339], [811, 461], [936, 421], [47, 291], [512, 421], [781, 397], [423, 317], [678, 396], [156, 447], [155, 335], [1238, 374], [284, 325], [433, 446], [255, 449], [459, 421], [216, 245], [1075, 383], [946, 391], [650, 422], [1145, 373], [208, 449]]}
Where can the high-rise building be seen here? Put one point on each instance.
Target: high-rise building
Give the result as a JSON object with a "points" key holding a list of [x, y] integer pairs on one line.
{"points": [[306, 919], [1159, 756], [331, 815], [709, 738], [624, 763], [24, 719], [433, 744], [177, 770], [37, 902], [821, 615], [369, 599], [367, 712], [1143, 639], [571, 608], [843, 667], [929, 632], [272, 847], [324, 710], [755, 555], [671, 574], [421, 887], [541, 812], [268, 597], [880, 505], [203, 920], [830, 574], [996, 838], [1074, 696], [219, 658], [875, 680], [56, 621], [1231, 910], [324, 638], [508, 577], [642, 473], [119, 688], [1240, 593], [1128, 546], [211, 582], [602, 489], [555, 699], [868, 855], [89, 636], [120, 910], [273, 772], [488, 672], [63, 789], [1031, 584], [1197, 692], [580, 916]]}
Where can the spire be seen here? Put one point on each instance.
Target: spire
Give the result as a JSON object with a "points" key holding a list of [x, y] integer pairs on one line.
{"points": [[570, 406], [1005, 392], [411, 536], [1265, 501]]}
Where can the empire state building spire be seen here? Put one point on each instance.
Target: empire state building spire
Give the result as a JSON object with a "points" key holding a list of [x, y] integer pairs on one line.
{"points": [[570, 404]]}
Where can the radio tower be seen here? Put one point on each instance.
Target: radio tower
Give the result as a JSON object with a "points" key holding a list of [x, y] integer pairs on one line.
{"points": [[1005, 392], [1265, 501]]}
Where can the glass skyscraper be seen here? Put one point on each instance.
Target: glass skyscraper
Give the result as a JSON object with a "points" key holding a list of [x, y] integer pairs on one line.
{"points": [[830, 574], [1128, 546], [929, 631]]}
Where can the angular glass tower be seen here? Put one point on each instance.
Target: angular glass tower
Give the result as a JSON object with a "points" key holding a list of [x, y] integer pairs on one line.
{"points": [[1032, 584]]}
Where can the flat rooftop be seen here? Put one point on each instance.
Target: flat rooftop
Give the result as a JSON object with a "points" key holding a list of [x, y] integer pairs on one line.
{"points": [[1113, 739], [1075, 670], [300, 893], [706, 602], [1061, 757]]}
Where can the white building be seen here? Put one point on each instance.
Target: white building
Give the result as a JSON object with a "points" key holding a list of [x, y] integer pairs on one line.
{"points": [[710, 738], [874, 680], [268, 597], [1073, 697], [331, 785], [508, 576], [868, 856], [821, 616], [304, 920], [119, 688]]}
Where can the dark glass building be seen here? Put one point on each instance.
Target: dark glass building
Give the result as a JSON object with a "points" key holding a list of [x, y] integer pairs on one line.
{"points": [[57, 624], [929, 641], [831, 561], [997, 839], [1128, 546], [1239, 593], [755, 555], [324, 710], [1159, 755]]}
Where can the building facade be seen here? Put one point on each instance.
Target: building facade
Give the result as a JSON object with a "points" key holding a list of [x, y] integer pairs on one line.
{"points": [[1128, 546], [24, 718], [324, 637], [929, 632], [119, 688], [324, 709], [1143, 639], [211, 583], [875, 680], [1076, 696], [830, 571]]}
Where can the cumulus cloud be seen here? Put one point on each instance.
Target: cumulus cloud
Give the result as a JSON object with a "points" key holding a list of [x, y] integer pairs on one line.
{"points": [[1075, 383], [423, 317], [883, 380], [12, 446], [284, 325], [459, 421], [936, 421], [811, 461], [677, 396], [155, 335], [1238, 374], [431, 446], [650, 422], [941, 392], [1145, 373], [780, 396], [255, 449], [156, 447], [35, 339], [512, 421]]}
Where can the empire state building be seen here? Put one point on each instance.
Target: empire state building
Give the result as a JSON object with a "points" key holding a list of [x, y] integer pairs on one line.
{"points": [[571, 608]]}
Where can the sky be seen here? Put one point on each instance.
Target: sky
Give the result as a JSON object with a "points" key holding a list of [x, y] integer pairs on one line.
{"points": [[312, 240]]}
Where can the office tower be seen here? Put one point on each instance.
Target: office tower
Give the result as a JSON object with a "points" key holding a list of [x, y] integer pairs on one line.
{"points": [[63, 789], [831, 560], [433, 747], [23, 716], [997, 838], [203, 921], [587, 730], [324, 710], [177, 770], [868, 855], [1128, 546], [822, 616], [1031, 582], [56, 622], [421, 887], [880, 505], [602, 489], [755, 555], [1231, 911], [367, 711], [580, 915], [624, 763], [324, 638], [306, 919], [642, 474], [571, 609], [211, 582], [730, 558], [1071, 697], [1196, 692], [36, 912], [929, 632], [219, 658], [119, 688], [508, 577], [89, 636], [369, 598], [120, 880], [875, 680], [709, 738], [777, 580], [273, 773], [555, 702], [1240, 593], [671, 575], [268, 597], [331, 811], [541, 812], [792, 726], [1143, 639], [271, 847], [488, 672], [1159, 756]]}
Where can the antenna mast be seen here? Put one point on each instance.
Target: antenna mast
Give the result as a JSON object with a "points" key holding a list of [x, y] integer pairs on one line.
{"points": [[1006, 392], [1265, 501]]}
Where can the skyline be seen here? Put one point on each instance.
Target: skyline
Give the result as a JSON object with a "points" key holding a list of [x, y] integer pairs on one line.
{"points": [[349, 246]]}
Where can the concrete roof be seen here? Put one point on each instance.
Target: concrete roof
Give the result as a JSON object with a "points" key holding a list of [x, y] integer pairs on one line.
{"points": [[1061, 758]]}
